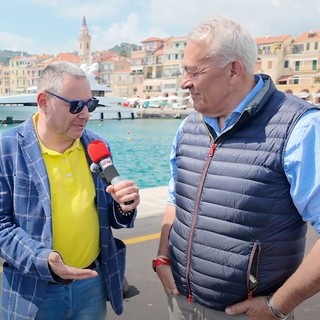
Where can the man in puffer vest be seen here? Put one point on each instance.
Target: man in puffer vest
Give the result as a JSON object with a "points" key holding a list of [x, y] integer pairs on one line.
{"points": [[244, 182]]}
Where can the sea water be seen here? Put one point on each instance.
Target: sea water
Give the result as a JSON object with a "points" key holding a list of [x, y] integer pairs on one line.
{"points": [[140, 147]]}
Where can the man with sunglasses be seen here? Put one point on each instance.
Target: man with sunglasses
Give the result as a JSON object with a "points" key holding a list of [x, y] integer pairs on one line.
{"points": [[61, 260]]}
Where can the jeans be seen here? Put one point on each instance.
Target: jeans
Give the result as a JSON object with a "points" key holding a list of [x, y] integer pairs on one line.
{"points": [[79, 300], [181, 309]]}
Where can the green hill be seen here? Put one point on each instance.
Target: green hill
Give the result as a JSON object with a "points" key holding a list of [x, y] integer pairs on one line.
{"points": [[6, 55], [124, 49]]}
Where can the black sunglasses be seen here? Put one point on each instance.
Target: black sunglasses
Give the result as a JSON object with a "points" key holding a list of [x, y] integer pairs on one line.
{"points": [[76, 106]]}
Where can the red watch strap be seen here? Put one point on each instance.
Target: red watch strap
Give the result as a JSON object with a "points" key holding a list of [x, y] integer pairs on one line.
{"points": [[160, 261]]}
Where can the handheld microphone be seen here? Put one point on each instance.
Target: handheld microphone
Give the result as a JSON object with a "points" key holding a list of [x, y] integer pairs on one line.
{"points": [[102, 163], [96, 169]]}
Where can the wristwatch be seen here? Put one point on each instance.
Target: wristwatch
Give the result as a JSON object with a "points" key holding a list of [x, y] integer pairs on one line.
{"points": [[160, 261]]}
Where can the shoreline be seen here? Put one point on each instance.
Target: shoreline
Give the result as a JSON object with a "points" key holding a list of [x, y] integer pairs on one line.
{"points": [[141, 113], [166, 113]]}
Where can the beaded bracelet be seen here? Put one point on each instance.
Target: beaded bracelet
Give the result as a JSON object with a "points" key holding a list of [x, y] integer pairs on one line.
{"points": [[275, 311], [125, 214]]}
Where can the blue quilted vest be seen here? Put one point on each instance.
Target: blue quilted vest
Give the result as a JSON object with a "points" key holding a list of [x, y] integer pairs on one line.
{"points": [[237, 232]]}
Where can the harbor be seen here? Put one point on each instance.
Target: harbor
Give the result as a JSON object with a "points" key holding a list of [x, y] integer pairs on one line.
{"points": [[140, 147], [15, 114], [18, 107]]}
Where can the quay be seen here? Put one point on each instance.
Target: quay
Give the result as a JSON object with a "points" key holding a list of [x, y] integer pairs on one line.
{"points": [[145, 298], [165, 113], [152, 202]]}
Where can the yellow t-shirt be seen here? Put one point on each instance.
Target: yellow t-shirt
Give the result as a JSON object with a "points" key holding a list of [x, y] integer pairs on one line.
{"points": [[75, 222]]}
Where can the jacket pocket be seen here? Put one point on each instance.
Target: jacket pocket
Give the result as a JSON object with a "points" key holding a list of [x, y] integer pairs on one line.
{"points": [[253, 269]]}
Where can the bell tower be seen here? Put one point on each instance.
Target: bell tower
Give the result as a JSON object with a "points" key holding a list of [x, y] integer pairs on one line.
{"points": [[84, 43]]}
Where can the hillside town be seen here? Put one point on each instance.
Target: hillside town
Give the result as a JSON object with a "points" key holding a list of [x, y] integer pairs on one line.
{"points": [[154, 70]]}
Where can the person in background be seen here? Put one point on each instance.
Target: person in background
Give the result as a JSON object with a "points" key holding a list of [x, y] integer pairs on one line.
{"points": [[245, 180], [61, 260]]}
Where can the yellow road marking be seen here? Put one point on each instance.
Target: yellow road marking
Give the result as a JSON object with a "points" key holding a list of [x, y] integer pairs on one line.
{"points": [[133, 240], [142, 238]]}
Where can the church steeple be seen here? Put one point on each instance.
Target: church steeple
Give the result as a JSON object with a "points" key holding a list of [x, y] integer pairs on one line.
{"points": [[84, 22], [84, 43]]}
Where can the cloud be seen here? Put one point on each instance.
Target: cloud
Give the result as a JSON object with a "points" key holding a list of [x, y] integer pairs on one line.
{"points": [[57, 24], [129, 31], [14, 42], [260, 17], [75, 9]]}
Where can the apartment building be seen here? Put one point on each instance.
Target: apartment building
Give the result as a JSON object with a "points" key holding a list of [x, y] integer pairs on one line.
{"points": [[271, 53], [152, 66], [4, 79], [156, 69], [301, 74], [172, 67], [18, 74], [292, 63], [33, 72], [114, 72]]}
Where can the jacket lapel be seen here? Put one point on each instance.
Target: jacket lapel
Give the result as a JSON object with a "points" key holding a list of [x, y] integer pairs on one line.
{"points": [[30, 149]]}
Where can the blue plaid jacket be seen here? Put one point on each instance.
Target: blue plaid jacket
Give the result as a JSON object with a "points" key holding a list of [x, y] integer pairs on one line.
{"points": [[25, 226]]}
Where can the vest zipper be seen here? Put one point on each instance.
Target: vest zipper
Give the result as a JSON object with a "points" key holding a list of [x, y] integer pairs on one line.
{"points": [[195, 216], [252, 280]]}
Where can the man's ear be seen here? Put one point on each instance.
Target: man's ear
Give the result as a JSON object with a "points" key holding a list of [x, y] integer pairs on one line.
{"points": [[42, 100], [236, 68]]}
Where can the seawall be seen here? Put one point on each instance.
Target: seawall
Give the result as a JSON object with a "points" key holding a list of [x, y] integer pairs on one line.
{"points": [[165, 113]]}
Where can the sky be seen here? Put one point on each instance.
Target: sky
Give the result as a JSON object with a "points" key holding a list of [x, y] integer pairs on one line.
{"points": [[53, 26]]}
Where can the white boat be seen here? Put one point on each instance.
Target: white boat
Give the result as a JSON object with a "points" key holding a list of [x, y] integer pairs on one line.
{"points": [[17, 108]]}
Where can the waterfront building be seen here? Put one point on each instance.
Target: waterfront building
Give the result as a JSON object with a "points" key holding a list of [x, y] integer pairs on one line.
{"points": [[137, 71], [271, 53], [152, 66], [114, 72], [18, 73], [4, 79], [34, 70], [301, 62], [172, 66], [292, 63], [157, 67]]}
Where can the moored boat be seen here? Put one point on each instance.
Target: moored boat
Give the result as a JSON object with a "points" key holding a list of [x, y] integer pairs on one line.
{"points": [[17, 108]]}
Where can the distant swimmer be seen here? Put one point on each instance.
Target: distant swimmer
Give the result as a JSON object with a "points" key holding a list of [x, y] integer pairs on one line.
{"points": [[129, 136]]}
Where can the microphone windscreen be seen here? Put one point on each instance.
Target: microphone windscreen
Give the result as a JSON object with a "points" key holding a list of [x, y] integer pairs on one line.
{"points": [[98, 150]]}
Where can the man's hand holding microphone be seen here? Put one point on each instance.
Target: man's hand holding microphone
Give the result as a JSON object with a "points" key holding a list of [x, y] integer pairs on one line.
{"points": [[125, 192]]}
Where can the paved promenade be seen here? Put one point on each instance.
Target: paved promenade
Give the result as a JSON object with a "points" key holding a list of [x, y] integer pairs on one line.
{"points": [[152, 201]]}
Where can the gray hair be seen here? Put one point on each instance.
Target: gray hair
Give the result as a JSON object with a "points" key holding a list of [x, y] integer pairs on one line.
{"points": [[228, 41], [53, 75]]}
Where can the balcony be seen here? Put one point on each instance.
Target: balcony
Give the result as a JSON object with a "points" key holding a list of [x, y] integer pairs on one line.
{"points": [[136, 73], [152, 90]]}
